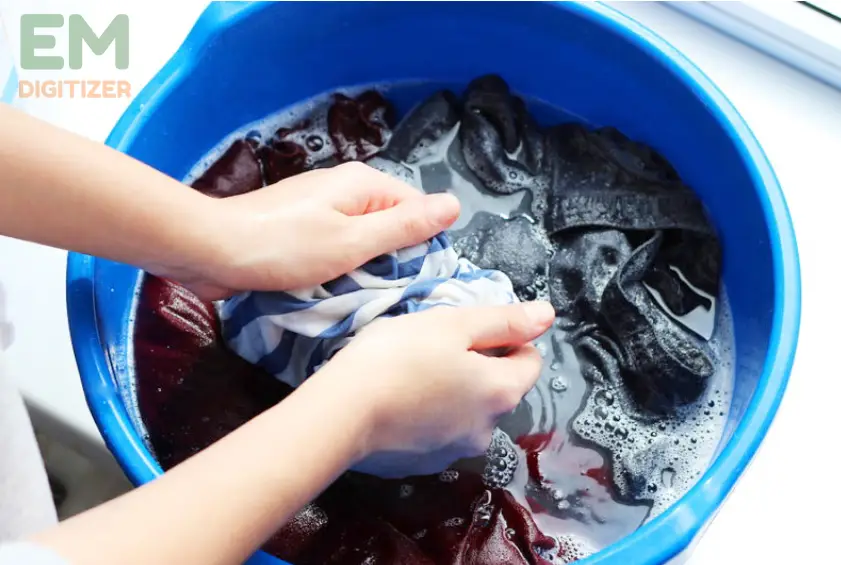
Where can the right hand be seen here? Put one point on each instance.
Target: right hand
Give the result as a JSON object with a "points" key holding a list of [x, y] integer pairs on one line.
{"points": [[429, 389]]}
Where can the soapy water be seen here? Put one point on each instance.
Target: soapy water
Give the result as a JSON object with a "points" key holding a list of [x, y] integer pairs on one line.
{"points": [[591, 428]]}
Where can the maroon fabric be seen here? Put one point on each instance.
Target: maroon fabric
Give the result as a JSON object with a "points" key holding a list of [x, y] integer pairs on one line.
{"points": [[237, 171], [281, 160], [360, 127], [192, 391]]}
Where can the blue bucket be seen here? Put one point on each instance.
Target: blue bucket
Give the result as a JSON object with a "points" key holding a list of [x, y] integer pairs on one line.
{"points": [[244, 61]]}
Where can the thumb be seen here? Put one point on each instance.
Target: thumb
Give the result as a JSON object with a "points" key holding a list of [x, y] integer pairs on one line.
{"points": [[408, 223], [505, 326]]}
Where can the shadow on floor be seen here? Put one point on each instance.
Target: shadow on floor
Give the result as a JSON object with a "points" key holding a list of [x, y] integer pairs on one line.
{"points": [[78, 484]]}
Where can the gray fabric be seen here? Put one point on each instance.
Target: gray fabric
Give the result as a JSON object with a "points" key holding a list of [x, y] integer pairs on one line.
{"points": [[26, 503], [28, 554]]}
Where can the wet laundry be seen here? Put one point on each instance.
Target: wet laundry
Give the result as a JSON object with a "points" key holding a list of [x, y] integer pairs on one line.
{"points": [[292, 334], [622, 223], [606, 230]]}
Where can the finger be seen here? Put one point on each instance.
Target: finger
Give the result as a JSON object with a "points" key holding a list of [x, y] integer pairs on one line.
{"points": [[522, 367], [408, 223], [360, 189], [513, 375], [504, 326]]}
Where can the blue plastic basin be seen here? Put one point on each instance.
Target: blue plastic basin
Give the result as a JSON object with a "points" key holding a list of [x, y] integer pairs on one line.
{"points": [[243, 61]]}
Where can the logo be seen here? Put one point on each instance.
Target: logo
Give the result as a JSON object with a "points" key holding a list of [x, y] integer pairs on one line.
{"points": [[40, 51]]}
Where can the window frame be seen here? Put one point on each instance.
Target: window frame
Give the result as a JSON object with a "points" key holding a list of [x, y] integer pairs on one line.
{"points": [[805, 35]]}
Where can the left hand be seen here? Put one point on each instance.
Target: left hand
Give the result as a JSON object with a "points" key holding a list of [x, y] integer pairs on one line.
{"points": [[309, 229]]}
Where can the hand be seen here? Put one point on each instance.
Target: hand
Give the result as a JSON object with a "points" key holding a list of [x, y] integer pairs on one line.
{"points": [[428, 386], [311, 228], [303, 231]]}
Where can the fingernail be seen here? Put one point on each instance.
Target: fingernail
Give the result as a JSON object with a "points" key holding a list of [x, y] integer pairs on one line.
{"points": [[540, 313], [443, 208]]}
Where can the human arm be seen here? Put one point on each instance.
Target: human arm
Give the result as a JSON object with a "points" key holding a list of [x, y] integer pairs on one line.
{"points": [[62, 190], [404, 388]]}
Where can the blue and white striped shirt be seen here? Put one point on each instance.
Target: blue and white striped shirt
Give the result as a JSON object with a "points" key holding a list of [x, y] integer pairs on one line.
{"points": [[291, 334]]}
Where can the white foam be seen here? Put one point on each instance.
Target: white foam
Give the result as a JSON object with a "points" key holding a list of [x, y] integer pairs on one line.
{"points": [[687, 441]]}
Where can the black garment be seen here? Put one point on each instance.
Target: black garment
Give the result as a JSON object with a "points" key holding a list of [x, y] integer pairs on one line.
{"points": [[425, 124], [620, 219], [622, 225], [502, 144]]}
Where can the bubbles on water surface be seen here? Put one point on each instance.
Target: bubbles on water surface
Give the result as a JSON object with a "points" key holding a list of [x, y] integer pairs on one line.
{"points": [[448, 476], [314, 142], [558, 383], [573, 548], [659, 458], [501, 462], [454, 522]]}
